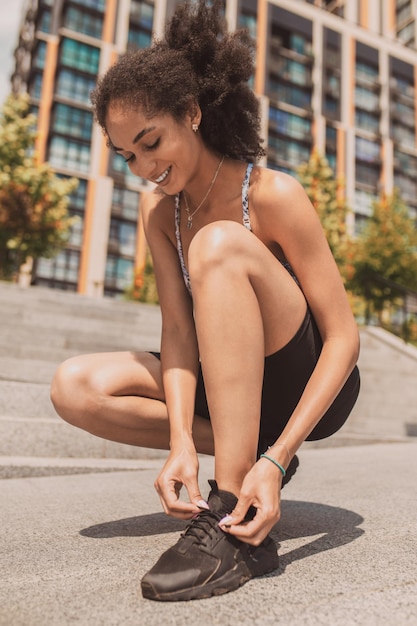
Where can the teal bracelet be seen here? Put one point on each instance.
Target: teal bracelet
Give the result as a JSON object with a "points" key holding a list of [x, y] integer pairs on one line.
{"points": [[279, 466]]}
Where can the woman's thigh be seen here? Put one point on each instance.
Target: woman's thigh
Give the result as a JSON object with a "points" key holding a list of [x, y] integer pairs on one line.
{"points": [[236, 263], [93, 377]]}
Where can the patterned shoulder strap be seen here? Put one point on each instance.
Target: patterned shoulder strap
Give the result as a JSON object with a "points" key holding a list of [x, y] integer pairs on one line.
{"points": [[245, 197], [179, 243]]}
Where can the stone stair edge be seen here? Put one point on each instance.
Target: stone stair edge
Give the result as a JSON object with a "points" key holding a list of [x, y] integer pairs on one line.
{"points": [[44, 295], [390, 340]]}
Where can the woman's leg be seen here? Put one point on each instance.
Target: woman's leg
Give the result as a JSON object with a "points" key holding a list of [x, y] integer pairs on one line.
{"points": [[119, 396], [246, 306]]}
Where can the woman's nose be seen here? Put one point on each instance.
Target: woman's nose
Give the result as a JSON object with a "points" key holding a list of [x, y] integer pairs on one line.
{"points": [[143, 168]]}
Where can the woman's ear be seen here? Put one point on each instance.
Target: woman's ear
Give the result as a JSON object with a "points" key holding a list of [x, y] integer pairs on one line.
{"points": [[195, 115]]}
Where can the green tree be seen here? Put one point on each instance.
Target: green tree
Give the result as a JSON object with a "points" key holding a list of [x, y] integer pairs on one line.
{"points": [[33, 200], [326, 193], [385, 253]]}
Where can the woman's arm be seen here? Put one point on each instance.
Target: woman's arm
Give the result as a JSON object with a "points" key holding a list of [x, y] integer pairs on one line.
{"points": [[179, 359], [285, 216], [294, 224]]}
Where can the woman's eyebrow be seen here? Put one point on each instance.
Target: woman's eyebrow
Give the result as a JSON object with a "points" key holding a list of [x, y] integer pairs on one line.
{"points": [[137, 137]]}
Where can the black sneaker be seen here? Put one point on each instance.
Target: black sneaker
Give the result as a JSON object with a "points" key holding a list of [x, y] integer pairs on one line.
{"points": [[205, 561]]}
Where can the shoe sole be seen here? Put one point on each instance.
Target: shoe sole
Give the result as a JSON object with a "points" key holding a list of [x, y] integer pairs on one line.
{"points": [[230, 581]]}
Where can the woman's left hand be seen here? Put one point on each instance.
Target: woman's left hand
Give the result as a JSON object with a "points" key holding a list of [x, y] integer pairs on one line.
{"points": [[262, 489]]}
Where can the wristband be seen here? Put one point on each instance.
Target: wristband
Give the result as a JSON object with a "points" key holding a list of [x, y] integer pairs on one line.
{"points": [[279, 466]]}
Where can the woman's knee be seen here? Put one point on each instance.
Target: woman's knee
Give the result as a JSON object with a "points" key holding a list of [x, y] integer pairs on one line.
{"points": [[72, 390], [215, 245]]}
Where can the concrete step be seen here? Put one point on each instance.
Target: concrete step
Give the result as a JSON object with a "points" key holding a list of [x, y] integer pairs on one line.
{"points": [[40, 328], [53, 438], [30, 427], [48, 344], [29, 370], [45, 325]]}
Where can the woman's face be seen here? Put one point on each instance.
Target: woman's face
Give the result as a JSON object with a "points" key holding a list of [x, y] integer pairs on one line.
{"points": [[159, 149]]}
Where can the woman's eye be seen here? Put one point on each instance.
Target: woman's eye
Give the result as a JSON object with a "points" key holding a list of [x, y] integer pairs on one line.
{"points": [[130, 159], [154, 145]]}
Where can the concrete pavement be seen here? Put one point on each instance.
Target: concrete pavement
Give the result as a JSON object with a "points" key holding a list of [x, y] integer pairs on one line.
{"points": [[81, 522], [75, 547]]}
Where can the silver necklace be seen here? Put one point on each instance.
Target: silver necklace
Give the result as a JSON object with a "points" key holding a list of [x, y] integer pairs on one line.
{"points": [[187, 208]]}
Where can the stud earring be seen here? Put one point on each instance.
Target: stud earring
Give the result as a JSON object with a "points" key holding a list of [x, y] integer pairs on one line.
{"points": [[195, 127]]}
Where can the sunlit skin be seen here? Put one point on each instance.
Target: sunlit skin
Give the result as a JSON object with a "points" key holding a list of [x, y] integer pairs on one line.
{"points": [[244, 306]]}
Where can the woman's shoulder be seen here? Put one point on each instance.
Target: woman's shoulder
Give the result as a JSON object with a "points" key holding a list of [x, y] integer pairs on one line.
{"points": [[157, 209], [276, 195], [274, 185]]}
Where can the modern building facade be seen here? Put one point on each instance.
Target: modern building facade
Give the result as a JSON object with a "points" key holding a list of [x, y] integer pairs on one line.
{"points": [[336, 75]]}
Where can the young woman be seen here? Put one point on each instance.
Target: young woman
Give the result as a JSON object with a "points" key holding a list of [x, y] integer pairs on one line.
{"points": [[258, 345]]}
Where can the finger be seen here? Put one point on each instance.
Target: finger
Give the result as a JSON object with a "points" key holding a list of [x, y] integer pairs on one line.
{"points": [[254, 531], [238, 513], [195, 495], [172, 504], [248, 533]]}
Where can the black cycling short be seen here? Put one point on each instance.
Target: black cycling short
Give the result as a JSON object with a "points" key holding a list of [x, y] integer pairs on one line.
{"points": [[286, 374]]}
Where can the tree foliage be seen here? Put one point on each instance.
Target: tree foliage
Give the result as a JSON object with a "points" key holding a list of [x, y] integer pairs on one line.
{"points": [[33, 200], [144, 284], [386, 253], [326, 193]]}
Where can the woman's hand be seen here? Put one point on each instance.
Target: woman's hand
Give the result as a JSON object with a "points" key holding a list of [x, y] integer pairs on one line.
{"points": [[261, 488], [180, 469]]}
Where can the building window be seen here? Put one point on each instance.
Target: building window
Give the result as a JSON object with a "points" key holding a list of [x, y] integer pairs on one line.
{"points": [[366, 99], [44, 22], [35, 88], [248, 20], [403, 135], [366, 121], [366, 72], [140, 25], [331, 146], [291, 152], [122, 237], [38, 59], [68, 120], [67, 154], [63, 268], [360, 223], [82, 22], [98, 5], [406, 163], [367, 174], [367, 150], [141, 13], [406, 34], [74, 86], [293, 71], [407, 187], [126, 203], [119, 273], [138, 38], [364, 202], [80, 56], [77, 198], [290, 124], [289, 94]]}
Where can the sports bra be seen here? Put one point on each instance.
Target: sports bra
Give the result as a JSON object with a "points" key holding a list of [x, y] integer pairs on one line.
{"points": [[245, 220]]}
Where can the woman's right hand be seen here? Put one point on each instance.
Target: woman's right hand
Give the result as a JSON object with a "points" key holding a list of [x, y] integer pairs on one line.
{"points": [[180, 470]]}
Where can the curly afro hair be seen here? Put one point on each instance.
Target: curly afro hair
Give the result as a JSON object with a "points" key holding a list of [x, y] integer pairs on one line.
{"points": [[197, 61]]}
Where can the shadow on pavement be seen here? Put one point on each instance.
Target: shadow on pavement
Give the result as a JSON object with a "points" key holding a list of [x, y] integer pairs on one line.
{"points": [[336, 526], [140, 526], [299, 519]]}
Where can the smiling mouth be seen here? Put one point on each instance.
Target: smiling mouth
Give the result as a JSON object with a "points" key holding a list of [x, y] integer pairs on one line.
{"points": [[163, 176]]}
